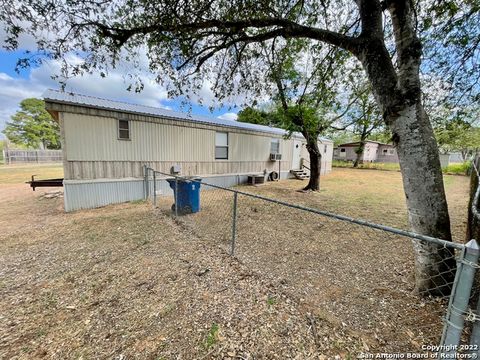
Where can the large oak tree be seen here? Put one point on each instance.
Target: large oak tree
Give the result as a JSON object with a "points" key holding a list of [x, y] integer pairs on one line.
{"points": [[187, 38]]}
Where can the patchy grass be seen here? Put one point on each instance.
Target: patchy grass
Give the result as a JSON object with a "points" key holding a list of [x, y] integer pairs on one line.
{"points": [[212, 336], [367, 165], [370, 195], [452, 169], [271, 300], [458, 168], [14, 174], [357, 276], [126, 281]]}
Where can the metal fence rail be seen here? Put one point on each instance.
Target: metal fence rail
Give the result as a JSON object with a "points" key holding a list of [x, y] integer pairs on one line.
{"points": [[351, 271]]}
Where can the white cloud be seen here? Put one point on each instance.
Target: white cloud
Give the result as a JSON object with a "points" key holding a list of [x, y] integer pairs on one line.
{"points": [[26, 41], [13, 89], [228, 116], [113, 86]]}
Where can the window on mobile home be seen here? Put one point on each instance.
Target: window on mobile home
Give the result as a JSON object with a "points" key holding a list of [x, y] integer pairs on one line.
{"points": [[275, 146], [221, 145], [123, 129]]}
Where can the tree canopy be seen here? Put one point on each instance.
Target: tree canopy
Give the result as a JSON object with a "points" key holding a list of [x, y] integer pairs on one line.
{"points": [[459, 135], [254, 115], [450, 33], [188, 41], [32, 126]]}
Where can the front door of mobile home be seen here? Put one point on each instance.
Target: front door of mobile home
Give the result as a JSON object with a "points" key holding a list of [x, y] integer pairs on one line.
{"points": [[297, 154]]}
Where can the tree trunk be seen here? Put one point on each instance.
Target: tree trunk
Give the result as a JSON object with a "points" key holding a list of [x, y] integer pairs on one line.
{"points": [[425, 195], [359, 152], [315, 165], [398, 93]]}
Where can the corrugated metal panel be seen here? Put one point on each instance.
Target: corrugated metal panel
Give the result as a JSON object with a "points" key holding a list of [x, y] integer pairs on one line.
{"points": [[96, 194], [93, 194], [244, 147], [91, 138], [95, 138], [99, 103], [256, 148]]}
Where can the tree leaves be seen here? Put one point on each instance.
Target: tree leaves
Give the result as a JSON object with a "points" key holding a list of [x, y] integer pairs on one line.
{"points": [[33, 126]]}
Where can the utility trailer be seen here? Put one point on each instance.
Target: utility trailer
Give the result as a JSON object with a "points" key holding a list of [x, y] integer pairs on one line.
{"points": [[34, 183]]}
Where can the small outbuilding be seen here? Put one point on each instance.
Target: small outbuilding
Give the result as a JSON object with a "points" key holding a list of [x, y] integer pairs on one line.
{"points": [[106, 144], [374, 151]]}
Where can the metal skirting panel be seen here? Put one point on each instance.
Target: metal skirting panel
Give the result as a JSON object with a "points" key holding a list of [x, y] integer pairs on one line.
{"points": [[91, 194]]}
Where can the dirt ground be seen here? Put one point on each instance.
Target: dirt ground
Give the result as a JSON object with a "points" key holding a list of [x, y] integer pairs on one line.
{"points": [[126, 282]]}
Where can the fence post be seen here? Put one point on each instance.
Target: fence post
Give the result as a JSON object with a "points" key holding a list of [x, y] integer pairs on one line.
{"points": [[154, 189], [145, 182], [148, 183], [175, 196], [234, 223], [475, 336], [459, 298]]}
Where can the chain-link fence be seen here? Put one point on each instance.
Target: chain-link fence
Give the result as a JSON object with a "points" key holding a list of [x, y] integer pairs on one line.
{"points": [[473, 229], [361, 276]]}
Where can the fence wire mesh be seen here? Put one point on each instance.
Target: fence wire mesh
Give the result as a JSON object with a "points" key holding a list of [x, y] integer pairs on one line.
{"points": [[473, 229], [354, 275]]}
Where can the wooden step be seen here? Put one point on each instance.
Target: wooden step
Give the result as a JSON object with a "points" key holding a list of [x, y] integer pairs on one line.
{"points": [[300, 174]]}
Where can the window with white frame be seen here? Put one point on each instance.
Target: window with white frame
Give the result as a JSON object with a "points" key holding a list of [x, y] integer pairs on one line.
{"points": [[275, 146], [324, 149], [123, 130], [221, 145]]}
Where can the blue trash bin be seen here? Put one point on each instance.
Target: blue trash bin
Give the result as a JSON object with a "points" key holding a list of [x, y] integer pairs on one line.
{"points": [[187, 195]]}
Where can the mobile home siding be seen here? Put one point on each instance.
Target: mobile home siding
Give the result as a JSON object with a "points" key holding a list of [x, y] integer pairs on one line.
{"points": [[326, 164], [93, 150], [92, 138]]}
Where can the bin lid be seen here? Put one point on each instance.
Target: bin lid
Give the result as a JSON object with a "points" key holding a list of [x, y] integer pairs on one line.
{"points": [[186, 178]]}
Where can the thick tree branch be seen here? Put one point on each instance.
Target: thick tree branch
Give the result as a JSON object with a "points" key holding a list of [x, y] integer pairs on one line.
{"points": [[281, 27]]}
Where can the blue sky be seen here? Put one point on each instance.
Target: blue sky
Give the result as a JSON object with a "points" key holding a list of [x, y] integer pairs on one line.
{"points": [[33, 82]]}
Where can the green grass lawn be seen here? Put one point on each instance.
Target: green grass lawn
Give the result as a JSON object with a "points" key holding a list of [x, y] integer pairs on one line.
{"points": [[15, 174], [452, 169], [367, 165]]}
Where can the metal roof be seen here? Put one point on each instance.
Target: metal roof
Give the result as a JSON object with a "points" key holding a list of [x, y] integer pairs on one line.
{"points": [[358, 142], [70, 98]]}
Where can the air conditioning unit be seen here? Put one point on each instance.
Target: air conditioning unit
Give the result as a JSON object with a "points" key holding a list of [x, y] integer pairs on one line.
{"points": [[275, 157]]}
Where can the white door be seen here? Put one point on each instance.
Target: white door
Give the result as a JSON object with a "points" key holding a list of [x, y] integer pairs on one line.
{"points": [[297, 154]]}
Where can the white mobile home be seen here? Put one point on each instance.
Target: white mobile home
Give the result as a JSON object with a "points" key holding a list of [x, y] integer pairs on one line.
{"points": [[374, 151], [106, 143]]}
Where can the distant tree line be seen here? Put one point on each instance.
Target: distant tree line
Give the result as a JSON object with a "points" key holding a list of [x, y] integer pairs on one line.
{"points": [[33, 127]]}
